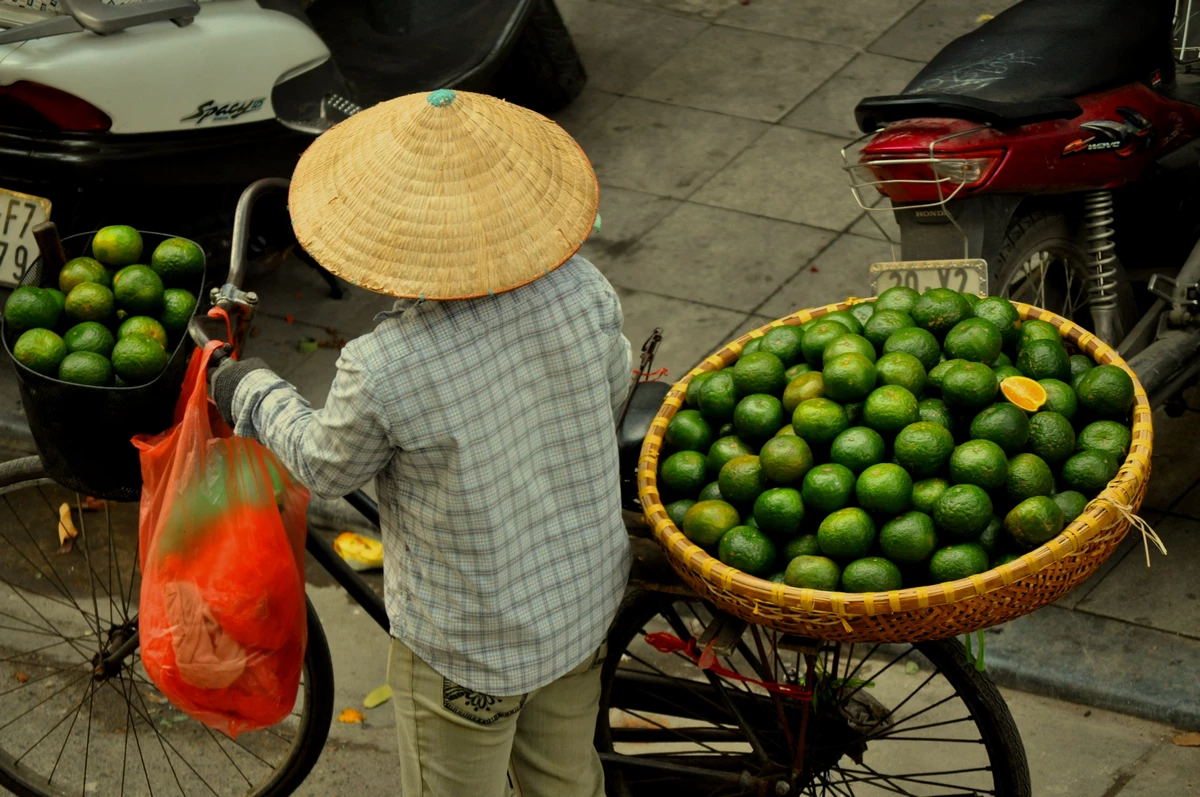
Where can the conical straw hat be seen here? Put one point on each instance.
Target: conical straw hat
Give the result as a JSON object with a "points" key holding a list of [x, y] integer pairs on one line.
{"points": [[449, 195]]}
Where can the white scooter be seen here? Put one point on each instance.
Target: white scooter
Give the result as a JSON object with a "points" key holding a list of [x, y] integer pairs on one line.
{"points": [[156, 113]]}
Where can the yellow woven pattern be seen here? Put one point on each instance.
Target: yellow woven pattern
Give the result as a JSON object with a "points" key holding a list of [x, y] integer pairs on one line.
{"points": [[911, 615], [446, 200]]}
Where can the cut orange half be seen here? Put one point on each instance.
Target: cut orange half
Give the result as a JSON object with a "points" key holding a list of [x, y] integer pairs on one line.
{"points": [[1024, 392]]}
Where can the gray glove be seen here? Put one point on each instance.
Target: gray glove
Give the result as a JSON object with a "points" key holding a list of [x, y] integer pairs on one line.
{"points": [[223, 381]]}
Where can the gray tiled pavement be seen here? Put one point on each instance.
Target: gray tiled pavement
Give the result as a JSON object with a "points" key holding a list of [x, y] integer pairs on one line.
{"points": [[715, 129]]}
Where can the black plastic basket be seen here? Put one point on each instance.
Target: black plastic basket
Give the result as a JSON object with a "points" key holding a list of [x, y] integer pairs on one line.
{"points": [[83, 432]]}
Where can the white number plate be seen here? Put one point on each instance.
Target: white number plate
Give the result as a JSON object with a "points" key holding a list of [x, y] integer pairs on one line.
{"points": [[966, 276], [19, 214]]}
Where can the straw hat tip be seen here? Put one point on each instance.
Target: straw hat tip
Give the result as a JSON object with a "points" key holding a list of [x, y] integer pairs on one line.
{"points": [[441, 98]]}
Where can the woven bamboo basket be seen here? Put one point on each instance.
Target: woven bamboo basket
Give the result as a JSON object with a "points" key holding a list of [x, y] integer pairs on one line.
{"points": [[920, 613]]}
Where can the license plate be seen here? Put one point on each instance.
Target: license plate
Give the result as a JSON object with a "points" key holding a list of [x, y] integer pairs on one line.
{"points": [[19, 214], [966, 276]]}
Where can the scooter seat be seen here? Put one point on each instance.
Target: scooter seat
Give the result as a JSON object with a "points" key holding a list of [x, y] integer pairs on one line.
{"points": [[1031, 62]]}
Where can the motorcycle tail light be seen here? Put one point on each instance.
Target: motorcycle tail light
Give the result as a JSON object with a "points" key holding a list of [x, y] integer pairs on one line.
{"points": [[964, 171], [928, 179], [34, 106]]}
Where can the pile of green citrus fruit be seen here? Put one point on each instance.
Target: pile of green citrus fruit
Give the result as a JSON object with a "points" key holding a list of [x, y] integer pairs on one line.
{"points": [[110, 321], [918, 439]]}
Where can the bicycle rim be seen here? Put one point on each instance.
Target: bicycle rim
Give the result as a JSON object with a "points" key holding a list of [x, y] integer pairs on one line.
{"points": [[66, 726]]}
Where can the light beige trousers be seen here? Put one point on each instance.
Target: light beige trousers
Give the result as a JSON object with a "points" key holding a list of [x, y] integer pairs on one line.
{"points": [[455, 742]]}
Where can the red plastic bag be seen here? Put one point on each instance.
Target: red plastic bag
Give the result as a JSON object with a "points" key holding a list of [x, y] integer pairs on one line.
{"points": [[222, 621]]}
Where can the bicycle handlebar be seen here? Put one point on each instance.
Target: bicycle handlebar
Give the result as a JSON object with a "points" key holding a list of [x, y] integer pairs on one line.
{"points": [[241, 225], [238, 305]]}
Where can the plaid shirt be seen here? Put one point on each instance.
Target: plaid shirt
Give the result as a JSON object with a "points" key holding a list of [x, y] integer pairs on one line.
{"points": [[488, 426]]}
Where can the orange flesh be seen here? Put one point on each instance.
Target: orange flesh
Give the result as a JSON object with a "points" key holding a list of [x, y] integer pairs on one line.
{"points": [[1024, 392]]}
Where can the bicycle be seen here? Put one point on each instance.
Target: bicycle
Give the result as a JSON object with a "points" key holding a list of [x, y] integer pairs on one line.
{"points": [[765, 713]]}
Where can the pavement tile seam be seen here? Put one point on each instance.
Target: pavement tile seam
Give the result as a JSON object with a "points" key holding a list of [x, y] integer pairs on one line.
{"points": [[720, 20], [798, 272], [1190, 637], [632, 242], [895, 24], [736, 155]]}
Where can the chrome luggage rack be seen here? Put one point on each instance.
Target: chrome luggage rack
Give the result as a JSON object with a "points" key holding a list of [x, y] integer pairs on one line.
{"points": [[950, 176]]}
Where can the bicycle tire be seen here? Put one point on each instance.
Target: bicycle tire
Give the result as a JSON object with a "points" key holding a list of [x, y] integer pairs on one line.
{"points": [[319, 685], [1002, 740]]}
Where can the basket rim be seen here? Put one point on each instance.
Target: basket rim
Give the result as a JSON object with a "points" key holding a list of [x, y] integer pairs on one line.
{"points": [[1100, 513]]}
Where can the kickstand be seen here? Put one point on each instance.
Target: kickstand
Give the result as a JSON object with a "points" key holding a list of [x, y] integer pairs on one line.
{"points": [[335, 288]]}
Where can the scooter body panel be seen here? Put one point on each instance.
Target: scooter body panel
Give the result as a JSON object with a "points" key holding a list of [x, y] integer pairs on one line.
{"points": [[217, 72], [1119, 136]]}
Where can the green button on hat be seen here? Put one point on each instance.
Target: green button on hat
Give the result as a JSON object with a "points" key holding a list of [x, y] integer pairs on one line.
{"points": [[448, 195]]}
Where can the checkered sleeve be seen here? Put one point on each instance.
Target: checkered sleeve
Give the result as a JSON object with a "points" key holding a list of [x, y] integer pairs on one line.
{"points": [[619, 362], [333, 451]]}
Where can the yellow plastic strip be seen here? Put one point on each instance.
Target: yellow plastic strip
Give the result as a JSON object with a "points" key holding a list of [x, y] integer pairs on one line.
{"points": [[894, 600], [869, 603], [922, 597], [980, 584]]}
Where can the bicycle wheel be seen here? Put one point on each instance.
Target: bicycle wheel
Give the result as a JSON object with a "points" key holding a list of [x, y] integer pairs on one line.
{"points": [[68, 727], [896, 719]]}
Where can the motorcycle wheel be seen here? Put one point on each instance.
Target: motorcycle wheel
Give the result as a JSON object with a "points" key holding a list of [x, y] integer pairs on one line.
{"points": [[1042, 262], [543, 72]]}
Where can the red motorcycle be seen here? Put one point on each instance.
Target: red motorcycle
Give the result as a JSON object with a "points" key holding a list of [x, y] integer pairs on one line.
{"points": [[1059, 144]]}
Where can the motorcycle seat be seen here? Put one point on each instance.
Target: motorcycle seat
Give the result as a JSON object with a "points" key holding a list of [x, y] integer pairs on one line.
{"points": [[1031, 62]]}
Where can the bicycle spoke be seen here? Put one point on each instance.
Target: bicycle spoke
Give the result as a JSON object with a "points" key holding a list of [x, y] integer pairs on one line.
{"points": [[781, 715], [885, 785], [751, 737], [41, 739], [42, 702], [92, 579], [674, 731], [61, 641], [235, 742], [900, 722], [834, 787], [131, 725], [896, 735], [919, 777], [115, 563], [88, 743], [91, 571], [903, 702], [689, 685], [33, 681], [217, 742], [163, 745], [876, 675], [87, 690], [57, 583], [29, 631]]}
